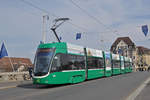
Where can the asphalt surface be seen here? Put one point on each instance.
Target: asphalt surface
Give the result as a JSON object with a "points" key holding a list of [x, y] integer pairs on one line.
{"points": [[145, 93], [111, 88]]}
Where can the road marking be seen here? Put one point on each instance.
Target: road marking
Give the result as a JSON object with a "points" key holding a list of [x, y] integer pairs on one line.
{"points": [[137, 91], [1, 88]]}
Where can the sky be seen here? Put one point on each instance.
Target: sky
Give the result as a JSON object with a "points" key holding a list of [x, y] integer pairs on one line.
{"points": [[99, 21]]}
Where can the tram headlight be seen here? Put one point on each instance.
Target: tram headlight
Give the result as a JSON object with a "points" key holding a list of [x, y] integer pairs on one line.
{"points": [[38, 80], [46, 81], [54, 75]]}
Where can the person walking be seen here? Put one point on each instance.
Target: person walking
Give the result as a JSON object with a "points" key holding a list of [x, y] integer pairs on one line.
{"points": [[30, 72], [148, 68]]}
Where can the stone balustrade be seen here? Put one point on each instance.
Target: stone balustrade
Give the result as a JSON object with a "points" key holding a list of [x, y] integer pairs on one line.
{"points": [[14, 76]]}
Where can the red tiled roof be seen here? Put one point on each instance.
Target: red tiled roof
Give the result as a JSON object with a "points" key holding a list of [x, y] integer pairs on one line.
{"points": [[142, 50], [6, 65]]}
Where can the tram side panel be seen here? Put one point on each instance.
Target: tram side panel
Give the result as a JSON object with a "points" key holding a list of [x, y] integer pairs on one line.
{"points": [[131, 65], [108, 64], [122, 64], [72, 69], [116, 64], [95, 63]]}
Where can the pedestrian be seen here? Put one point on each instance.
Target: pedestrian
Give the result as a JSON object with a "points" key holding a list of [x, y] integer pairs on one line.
{"points": [[30, 72], [148, 68]]}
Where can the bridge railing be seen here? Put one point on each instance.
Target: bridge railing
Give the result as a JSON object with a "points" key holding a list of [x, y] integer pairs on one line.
{"points": [[14, 76]]}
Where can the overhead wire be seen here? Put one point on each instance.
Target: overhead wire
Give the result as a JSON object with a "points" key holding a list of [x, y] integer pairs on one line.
{"points": [[77, 27], [54, 15], [51, 14], [31, 13], [91, 16], [43, 10], [98, 21], [36, 7]]}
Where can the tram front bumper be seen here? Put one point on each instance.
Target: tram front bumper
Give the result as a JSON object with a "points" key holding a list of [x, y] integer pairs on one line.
{"points": [[40, 81]]}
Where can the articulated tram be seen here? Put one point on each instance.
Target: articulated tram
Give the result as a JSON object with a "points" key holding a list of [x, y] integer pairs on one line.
{"points": [[63, 63]]}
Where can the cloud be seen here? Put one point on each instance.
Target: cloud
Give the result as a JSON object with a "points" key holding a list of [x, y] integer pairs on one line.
{"points": [[21, 24]]}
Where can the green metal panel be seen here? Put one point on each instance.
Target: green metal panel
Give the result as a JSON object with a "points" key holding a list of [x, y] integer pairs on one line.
{"points": [[127, 69], [122, 71], [53, 45], [130, 69], [60, 47], [108, 73], [62, 78], [95, 73], [116, 71]]}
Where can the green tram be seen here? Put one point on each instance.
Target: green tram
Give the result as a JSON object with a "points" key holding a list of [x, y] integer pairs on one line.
{"points": [[131, 65], [130, 68], [122, 64], [108, 64], [116, 68], [128, 64], [62, 63]]}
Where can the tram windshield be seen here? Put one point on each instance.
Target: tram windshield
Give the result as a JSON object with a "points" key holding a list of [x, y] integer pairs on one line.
{"points": [[42, 61]]}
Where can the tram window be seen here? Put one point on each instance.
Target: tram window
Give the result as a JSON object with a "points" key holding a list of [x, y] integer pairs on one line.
{"points": [[127, 64], [95, 63], [122, 64], [67, 62], [76, 62], [56, 65], [116, 64], [131, 64], [101, 62]]}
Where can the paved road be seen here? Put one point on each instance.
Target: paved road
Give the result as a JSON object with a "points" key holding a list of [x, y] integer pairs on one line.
{"points": [[145, 93], [112, 88]]}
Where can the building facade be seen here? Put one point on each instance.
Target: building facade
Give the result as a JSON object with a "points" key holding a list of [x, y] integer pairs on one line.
{"points": [[124, 46], [142, 57], [14, 64], [139, 54]]}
